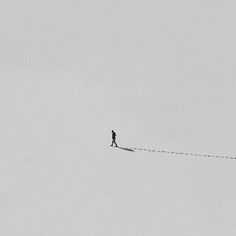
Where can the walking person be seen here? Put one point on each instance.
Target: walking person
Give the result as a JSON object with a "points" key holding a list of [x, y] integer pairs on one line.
{"points": [[113, 138]]}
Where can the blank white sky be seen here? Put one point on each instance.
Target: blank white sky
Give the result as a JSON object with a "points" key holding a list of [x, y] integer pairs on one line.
{"points": [[160, 73]]}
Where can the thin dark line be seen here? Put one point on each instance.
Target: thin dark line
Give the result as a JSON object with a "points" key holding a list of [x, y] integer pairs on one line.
{"points": [[184, 153]]}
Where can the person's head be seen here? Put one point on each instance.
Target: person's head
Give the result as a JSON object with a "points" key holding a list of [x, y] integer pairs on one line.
{"points": [[112, 131]]}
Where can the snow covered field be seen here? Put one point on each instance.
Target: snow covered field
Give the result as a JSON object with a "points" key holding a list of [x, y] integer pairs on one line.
{"points": [[161, 74]]}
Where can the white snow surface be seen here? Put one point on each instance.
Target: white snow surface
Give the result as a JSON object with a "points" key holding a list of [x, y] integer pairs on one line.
{"points": [[159, 73]]}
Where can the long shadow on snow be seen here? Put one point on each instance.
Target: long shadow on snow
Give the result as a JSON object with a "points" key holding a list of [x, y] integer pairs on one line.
{"points": [[126, 149]]}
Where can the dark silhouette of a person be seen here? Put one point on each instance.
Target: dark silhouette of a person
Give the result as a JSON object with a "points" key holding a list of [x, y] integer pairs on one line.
{"points": [[114, 138]]}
